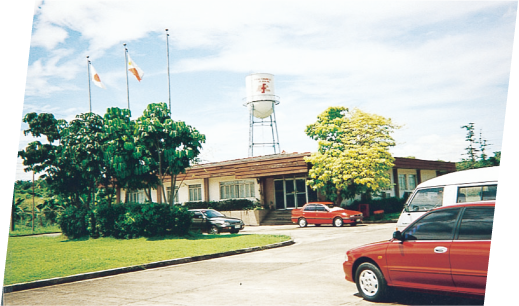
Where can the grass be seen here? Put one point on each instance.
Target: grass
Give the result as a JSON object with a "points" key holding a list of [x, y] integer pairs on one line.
{"points": [[43, 257], [23, 230]]}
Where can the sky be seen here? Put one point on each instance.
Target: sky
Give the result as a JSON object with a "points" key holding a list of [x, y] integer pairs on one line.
{"points": [[431, 67]]}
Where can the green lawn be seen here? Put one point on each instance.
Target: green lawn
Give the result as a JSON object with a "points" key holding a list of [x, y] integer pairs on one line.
{"points": [[36, 258], [21, 230]]}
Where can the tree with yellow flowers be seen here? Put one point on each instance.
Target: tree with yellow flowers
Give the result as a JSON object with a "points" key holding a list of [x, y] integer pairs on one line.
{"points": [[353, 155]]}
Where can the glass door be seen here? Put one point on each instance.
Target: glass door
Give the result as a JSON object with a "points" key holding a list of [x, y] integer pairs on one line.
{"points": [[292, 192]]}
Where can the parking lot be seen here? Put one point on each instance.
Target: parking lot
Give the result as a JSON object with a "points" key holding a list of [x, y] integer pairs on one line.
{"points": [[306, 273]]}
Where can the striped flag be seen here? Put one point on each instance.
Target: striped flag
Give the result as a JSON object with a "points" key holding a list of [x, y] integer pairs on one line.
{"points": [[95, 77], [133, 68]]}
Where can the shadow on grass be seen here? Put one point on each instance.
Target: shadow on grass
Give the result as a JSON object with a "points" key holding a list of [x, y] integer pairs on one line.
{"points": [[190, 236], [76, 239], [193, 236]]}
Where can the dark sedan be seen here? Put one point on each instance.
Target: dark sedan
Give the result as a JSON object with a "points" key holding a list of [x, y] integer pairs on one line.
{"points": [[214, 222]]}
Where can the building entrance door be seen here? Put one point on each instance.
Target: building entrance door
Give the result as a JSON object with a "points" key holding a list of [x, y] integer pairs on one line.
{"points": [[292, 192]]}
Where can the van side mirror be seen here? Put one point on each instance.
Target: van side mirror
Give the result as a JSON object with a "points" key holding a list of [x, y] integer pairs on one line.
{"points": [[398, 236]]}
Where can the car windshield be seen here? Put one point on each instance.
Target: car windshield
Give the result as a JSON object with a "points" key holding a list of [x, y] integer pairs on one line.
{"points": [[213, 214], [426, 199]]}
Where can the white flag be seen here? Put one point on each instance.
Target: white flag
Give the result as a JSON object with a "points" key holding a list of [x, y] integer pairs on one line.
{"points": [[95, 77], [133, 68]]}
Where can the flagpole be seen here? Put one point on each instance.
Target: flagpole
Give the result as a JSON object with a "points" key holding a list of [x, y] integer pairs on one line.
{"points": [[89, 91], [126, 69], [169, 82]]}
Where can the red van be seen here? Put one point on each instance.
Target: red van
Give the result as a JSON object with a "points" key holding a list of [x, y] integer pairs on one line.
{"points": [[446, 250]]}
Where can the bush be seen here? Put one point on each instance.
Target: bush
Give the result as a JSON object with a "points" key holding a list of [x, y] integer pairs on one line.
{"points": [[73, 222], [226, 205], [142, 220], [389, 205]]}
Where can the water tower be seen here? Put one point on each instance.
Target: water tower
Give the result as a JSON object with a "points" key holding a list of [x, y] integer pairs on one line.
{"points": [[260, 101]]}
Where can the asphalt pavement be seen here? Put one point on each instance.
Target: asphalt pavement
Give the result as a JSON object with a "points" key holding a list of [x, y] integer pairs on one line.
{"points": [[308, 272]]}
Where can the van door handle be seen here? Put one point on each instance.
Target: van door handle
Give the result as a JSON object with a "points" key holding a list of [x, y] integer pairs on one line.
{"points": [[440, 249]]}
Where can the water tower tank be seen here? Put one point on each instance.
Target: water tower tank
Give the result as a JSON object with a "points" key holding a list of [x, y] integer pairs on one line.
{"points": [[260, 94]]}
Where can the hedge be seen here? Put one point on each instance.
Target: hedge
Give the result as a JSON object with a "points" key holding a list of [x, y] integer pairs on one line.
{"points": [[389, 205], [125, 221]]}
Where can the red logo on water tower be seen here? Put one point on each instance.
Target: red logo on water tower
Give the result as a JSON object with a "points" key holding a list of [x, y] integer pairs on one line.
{"points": [[264, 88]]}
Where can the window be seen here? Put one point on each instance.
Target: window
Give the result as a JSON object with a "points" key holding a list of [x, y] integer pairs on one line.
{"points": [[195, 193], [237, 190], [136, 196], [426, 199], [320, 208], [476, 224], [310, 207], [438, 225], [407, 181], [476, 193], [402, 181], [168, 190], [412, 181]]}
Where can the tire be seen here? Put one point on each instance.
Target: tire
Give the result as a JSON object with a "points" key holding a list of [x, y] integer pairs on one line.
{"points": [[318, 225], [354, 224], [337, 222], [302, 222], [234, 231], [214, 230], [371, 282]]}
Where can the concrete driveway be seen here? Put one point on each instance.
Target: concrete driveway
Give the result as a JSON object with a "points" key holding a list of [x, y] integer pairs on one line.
{"points": [[306, 273]]}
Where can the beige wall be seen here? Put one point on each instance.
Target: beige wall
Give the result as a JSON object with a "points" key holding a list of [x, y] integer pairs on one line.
{"points": [[269, 193], [427, 174], [268, 196]]}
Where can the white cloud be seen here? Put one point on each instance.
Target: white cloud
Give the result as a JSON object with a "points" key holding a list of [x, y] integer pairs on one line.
{"points": [[403, 60]]}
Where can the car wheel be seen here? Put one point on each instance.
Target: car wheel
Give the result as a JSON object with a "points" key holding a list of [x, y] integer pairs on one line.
{"points": [[318, 225], [371, 282], [337, 222], [234, 232], [302, 222], [214, 230], [354, 224]]}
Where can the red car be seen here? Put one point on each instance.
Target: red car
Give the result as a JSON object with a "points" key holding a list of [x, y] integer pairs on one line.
{"points": [[446, 250], [324, 213]]}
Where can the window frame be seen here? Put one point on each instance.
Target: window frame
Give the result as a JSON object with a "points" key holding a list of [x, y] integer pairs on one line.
{"points": [[237, 189], [458, 193], [195, 188], [455, 225], [460, 222], [175, 199]]}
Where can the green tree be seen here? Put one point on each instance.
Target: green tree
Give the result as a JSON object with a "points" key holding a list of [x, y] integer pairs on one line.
{"points": [[168, 147], [476, 156], [122, 156], [353, 155], [93, 152]]}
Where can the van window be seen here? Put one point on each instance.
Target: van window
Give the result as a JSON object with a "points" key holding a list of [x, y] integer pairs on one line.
{"points": [[426, 199], [476, 193]]}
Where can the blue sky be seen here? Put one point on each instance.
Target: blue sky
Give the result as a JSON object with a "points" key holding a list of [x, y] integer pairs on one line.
{"points": [[430, 66]]}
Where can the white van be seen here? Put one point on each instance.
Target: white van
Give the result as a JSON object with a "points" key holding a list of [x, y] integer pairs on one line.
{"points": [[476, 185]]}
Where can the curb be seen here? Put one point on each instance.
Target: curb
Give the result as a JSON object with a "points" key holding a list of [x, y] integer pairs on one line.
{"points": [[157, 264], [380, 221]]}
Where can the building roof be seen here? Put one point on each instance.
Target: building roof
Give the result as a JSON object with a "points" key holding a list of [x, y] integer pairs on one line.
{"points": [[287, 164]]}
